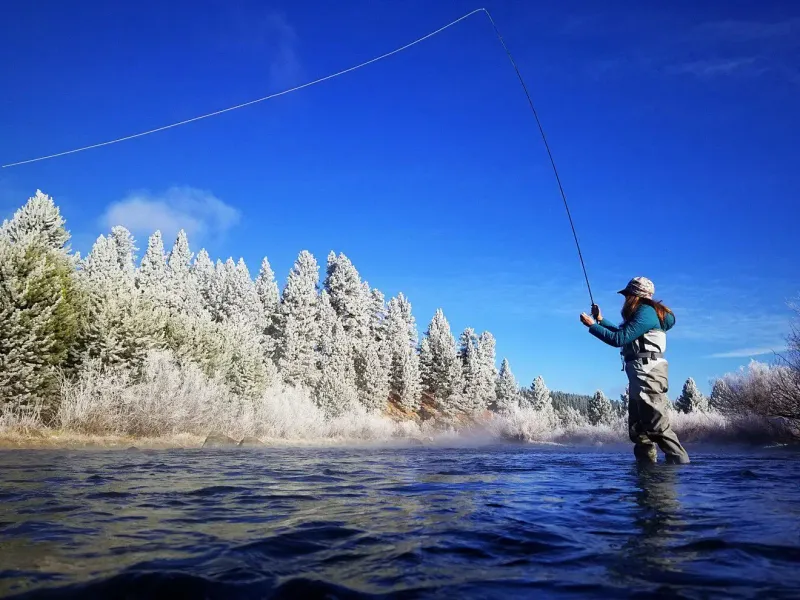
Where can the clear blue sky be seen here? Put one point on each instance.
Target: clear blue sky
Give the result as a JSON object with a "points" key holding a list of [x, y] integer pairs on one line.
{"points": [[675, 129]]}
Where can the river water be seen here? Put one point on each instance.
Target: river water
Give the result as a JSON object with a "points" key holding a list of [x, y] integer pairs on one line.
{"points": [[411, 522]]}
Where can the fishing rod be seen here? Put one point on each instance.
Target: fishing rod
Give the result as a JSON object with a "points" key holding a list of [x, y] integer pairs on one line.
{"points": [[343, 72], [549, 152]]}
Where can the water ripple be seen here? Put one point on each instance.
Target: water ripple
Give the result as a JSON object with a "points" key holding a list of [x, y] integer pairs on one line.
{"points": [[495, 522]]}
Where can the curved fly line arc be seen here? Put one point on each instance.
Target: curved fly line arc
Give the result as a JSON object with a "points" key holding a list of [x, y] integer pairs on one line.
{"points": [[338, 74]]}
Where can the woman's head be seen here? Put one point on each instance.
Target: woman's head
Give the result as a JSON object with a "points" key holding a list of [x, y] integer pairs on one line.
{"points": [[640, 291]]}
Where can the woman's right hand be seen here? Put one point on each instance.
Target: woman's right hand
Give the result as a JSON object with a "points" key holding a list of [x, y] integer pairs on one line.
{"points": [[596, 312]]}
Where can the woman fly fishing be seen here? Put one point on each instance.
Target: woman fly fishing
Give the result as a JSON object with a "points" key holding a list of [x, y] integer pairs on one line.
{"points": [[643, 339]]}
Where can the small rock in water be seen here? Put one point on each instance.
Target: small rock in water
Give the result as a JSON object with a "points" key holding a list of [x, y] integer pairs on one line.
{"points": [[218, 440], [250, 441]]}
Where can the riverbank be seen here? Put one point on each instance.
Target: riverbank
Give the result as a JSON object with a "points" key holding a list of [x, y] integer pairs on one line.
{"points": [[519, 426], [65, 440]]}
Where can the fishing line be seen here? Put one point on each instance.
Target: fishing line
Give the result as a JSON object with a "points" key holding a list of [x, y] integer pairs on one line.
{"points": [[343, 72]]}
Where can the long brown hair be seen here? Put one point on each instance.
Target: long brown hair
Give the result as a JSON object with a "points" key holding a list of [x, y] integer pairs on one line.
{"points": [[632, 304]]}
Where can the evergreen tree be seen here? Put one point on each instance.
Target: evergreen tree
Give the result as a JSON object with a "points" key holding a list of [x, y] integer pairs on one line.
{"points": [[326, 320], [336, 391], [487, 381], [233, 296], [121, 323], [624, 401], [38, 222], [470, 369], [248, 373], [267, 289], [244, 298], [347, 295], [151, 278], [203, 271], [268, 296], [540, 396], [720, 395], [404, 377], [508, 395], [183, 289], [378, 315], [218, 289], [439, 362], [691, 400], [569, 417], [297, 329], [102, 266], [600, 410], [125, 247], [409, 389], [373, 380], [38, 313]]}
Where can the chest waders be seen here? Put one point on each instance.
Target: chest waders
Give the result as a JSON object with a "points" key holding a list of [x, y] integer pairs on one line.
{"points": [[648, 419]]}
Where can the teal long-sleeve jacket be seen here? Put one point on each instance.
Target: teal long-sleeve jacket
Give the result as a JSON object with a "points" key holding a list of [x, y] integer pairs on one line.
{"points": [[644, 319]]}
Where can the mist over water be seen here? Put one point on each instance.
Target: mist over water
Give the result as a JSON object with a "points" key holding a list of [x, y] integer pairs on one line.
{"points": [[495, 521]]}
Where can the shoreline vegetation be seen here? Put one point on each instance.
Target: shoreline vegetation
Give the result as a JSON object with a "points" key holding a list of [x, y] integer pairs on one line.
{"points": [[163, 352]]}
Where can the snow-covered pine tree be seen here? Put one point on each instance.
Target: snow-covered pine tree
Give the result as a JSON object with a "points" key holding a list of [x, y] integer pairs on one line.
{"points": [[267, 290], [376, 359], [377, 314], [247, 374], [373, 380], [470, 370], [183, 289], [38, 308], [336, 389], [404, 307], [347, 295], [38, 221], [245, 300], [439, 363], [569, 417], [378, 326], [121, 323], [126, 249], [326, 319], [218, 289], [600, 410], [203, 271], [410, 389], [233, 296], [487, 358], [624, 401], [269, 297], [297, 330], [401, 341], [691, 399], [720, 395], [353, 302], [540, 399], [508, 395], [151, 277], [102, 266]]}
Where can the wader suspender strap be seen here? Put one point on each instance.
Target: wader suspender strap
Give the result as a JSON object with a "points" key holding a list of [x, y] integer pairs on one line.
{"points": [[643, 349]]}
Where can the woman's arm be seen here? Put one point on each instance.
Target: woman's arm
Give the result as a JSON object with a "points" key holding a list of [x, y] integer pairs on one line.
{"points": [[598, 317], [641, 323], [608, 325]]}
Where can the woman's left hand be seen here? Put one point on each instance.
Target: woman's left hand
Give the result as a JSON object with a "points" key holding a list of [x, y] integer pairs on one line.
{"points": [[587, 320]]}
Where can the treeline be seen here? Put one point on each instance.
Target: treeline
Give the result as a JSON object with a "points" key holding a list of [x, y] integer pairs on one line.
{"points": [[338, 338], [335, 337]]}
